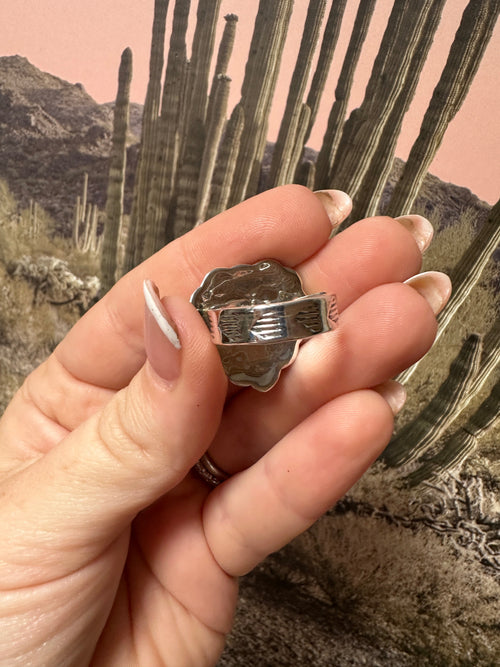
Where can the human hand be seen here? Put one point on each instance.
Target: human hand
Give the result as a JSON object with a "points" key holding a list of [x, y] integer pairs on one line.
{"points": [[113, 552]]}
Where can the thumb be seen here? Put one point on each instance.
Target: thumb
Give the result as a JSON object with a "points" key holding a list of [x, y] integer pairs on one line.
{"points": [[88, 488]]}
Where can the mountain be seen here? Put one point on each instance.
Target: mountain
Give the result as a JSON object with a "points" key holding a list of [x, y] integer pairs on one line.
{"points": [[51, 132]]}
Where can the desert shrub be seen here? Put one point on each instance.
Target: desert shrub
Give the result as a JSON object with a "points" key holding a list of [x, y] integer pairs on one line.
{"points": [[403, 588]]}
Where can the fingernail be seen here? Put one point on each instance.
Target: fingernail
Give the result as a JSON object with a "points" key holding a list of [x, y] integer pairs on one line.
{"points": [[419, 227], [434, 286], [394, 393], [336, 203], [163, 347]]}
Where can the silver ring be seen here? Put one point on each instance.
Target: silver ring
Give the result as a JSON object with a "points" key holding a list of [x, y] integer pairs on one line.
{"points": [[257, 315], [209, 472], [265, 323]]}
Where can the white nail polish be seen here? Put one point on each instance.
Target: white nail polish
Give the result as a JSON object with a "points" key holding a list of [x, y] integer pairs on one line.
{"points": [[156, 309]]}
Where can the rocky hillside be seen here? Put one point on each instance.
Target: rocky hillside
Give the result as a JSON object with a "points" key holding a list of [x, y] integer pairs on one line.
{"points": [[52, 131]]}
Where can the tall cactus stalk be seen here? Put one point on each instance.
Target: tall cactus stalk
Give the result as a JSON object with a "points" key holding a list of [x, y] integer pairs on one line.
{"points": [[91, 242], [257, 91], [326, 53], [82, 219], [223, 57], [461, 443], [378, 170], [416, 436], [364, 128], [337, 114], [187, 182], [116, 181], [214, 133], [203, 45], [136, 232], [468, 47], [305, 174], [282, 168], [300, 133], [167, 147], [490, 360], [467, 273], [225, 162]]}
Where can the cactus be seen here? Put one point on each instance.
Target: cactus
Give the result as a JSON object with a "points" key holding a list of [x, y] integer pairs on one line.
{"points": [[364, 128], [468, 47], [187, 182], [214, 133], [467, 273], [328, 46], [114, 201], [223, 57], [416, 436], [80, 211], [337, 114], [459, 444], [34, 220], [149, 123], [300, 133], [225, 162], [306, 173], [282, 168], [380, 165], [167, 150], [258, 87], [203, 45], [85, 216]]}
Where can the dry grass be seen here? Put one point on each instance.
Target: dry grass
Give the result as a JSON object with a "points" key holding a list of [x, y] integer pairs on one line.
{"points": [[402, 588], [29, 331]]}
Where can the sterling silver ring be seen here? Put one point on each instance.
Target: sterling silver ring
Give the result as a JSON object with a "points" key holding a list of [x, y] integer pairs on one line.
{"points": [[272, 322], [257, 315], [209, 472]]}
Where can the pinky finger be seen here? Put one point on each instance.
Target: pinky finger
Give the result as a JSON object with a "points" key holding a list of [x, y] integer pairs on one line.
{"points": [[262, 508]]}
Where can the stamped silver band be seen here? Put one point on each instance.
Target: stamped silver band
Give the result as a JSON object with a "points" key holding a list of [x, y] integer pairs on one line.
{"points": [[257, 315], [274, 322]]}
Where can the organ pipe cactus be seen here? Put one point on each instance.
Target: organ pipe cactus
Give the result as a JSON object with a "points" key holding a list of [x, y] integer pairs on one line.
{"points": [[306, 173], [114, 201], [168, 144], [468, 48], [467, 272], [342, 93], [203, 45], [214, 133], [136, 233], [225, 162], [364, 128], [327, 50], [258, 87], [416, 436], [459, 444], [223, 58], [379, 167], [282, 167]]}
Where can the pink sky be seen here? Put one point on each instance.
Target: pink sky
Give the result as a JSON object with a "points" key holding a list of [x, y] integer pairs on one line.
{"points": [[82, 42]]}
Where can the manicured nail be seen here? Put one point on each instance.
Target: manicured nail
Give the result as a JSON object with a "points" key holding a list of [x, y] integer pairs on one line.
{"points": [[394, 393], [434, 286], [336, 203], [419, 227], [163, 347]]}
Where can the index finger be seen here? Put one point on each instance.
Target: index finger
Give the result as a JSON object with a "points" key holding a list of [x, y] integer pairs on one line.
{"points": [[105, 348]]}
